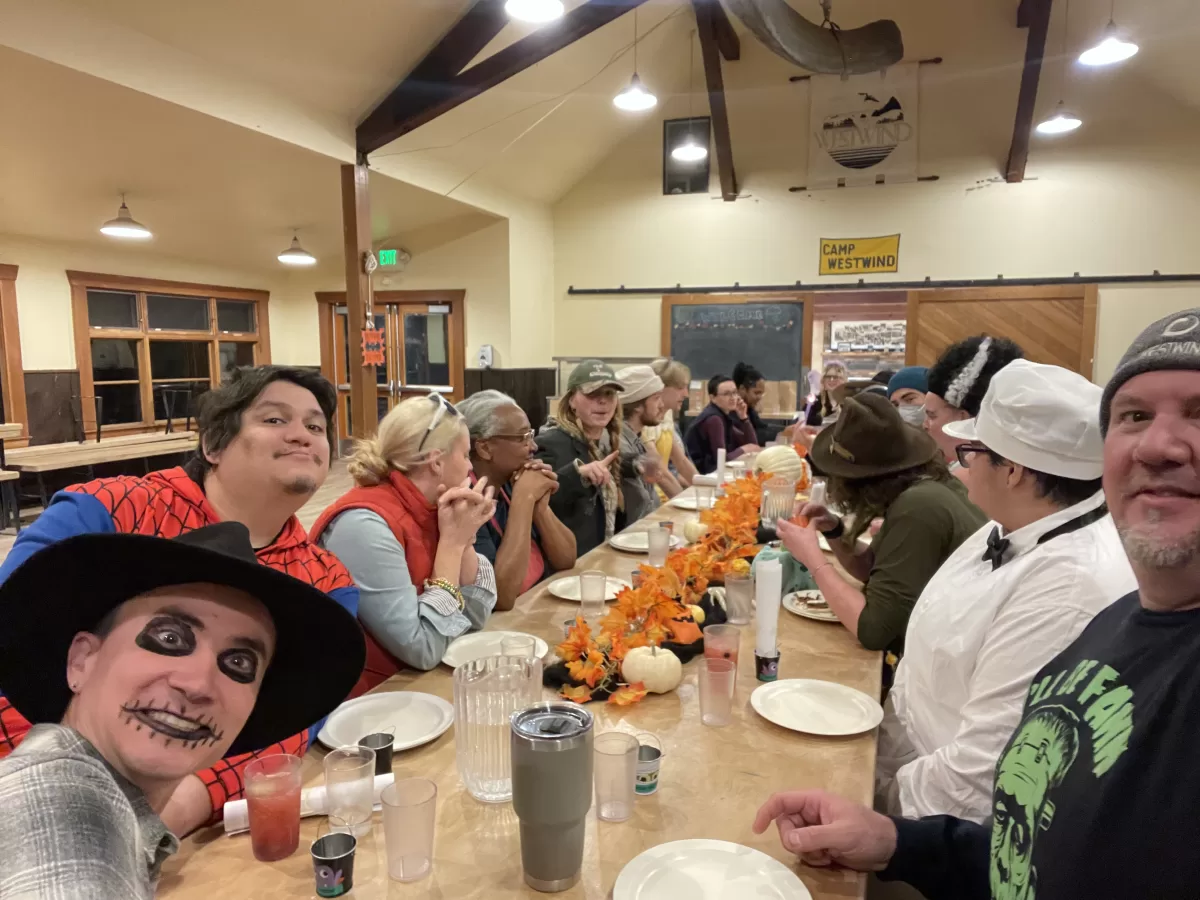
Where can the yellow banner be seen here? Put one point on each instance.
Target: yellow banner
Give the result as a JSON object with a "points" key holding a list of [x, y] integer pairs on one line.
{"points": [[850, 256]]}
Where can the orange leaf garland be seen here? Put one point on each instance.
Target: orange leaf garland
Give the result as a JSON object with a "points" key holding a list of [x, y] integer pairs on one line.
{"points": [[589, 670], [578, 642], [628, 694], [576, 694]]}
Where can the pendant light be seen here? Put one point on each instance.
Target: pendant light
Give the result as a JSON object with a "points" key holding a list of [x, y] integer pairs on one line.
{"points": [[1063, 121], [1113, 48], [635, 98], [536, 11], [295, 255], [125, 226], [690, 150]]}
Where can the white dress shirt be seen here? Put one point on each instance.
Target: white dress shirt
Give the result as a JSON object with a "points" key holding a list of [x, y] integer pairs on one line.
{"points": [[976, 638]]}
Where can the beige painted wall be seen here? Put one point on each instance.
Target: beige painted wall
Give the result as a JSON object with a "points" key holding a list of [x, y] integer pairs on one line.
{"points": [[1118, 197], [44, 296], [1126, 310]]}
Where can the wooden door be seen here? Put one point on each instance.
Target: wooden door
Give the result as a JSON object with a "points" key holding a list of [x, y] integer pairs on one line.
{"points": [[1055, 324]]}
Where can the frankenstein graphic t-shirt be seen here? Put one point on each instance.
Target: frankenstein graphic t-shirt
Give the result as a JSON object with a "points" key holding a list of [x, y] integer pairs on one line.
{"points": [[1097, 793]]}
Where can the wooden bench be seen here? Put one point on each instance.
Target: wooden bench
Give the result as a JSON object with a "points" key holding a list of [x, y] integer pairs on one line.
{"points": [[41, 451], [53, 457]]}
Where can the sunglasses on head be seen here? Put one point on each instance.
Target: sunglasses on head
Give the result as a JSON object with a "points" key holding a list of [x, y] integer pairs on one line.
{"points": [[443, 406]]}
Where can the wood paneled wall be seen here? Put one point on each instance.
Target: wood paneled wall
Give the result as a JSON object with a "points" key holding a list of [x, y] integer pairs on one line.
{"points": [[1053, 324]]}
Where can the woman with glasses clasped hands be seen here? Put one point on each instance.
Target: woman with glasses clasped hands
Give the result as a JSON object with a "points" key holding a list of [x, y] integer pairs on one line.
{"points": [[524, 540], [407, 535]]}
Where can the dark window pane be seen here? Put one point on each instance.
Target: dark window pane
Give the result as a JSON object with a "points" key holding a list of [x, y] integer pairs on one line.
{"points": [[176, 313], [381, 372], [344, 319], [233, 355], [426, 359], [381, 404], [235, 315], [178, 359], [349, 419], [180, 399], [112, 309], [119, 403], [114, 359]]}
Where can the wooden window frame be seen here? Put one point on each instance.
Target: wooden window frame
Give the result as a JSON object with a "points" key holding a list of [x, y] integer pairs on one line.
{"points": [[82, 282], [13, 380]]}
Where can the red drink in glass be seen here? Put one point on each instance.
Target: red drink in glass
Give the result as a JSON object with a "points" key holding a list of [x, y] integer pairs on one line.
{"points": [[273, 802], [722, 642]]}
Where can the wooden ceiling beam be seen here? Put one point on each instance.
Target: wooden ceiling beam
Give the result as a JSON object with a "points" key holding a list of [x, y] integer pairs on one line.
{"points": [[727, 39], [707, 28], [434, 88], [1037, 14]]}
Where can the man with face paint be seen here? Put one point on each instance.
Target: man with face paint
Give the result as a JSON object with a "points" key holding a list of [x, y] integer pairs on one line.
{"points": [[265, 442], [187, 650]]}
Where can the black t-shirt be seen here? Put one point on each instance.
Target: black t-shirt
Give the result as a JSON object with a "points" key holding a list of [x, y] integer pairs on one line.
{"points": [[1097, 794]]}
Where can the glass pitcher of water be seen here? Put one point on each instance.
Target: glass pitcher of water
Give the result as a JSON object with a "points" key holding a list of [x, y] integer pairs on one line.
{"points": [[487, 692]]}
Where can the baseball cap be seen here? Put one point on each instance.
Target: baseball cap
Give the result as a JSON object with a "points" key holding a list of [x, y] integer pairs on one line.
{"points": [[592, 375]]}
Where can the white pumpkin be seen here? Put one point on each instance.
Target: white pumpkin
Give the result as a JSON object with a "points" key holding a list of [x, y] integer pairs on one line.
{"points": [[783, 461], [659, 670]]}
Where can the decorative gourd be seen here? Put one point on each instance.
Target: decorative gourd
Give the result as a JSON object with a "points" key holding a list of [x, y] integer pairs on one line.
{"points": [[783, 461], [694, 529], [697, 614], [659, 670]]}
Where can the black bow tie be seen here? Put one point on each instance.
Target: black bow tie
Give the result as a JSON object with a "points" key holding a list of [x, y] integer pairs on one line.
{"points": [[996, 548]]}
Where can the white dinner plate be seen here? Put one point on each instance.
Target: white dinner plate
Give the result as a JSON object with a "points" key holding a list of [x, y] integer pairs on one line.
{"points": [[567, 588], [478, 644], [690, 501], [417, 719], [816, 707], [796, 602], [707, 870], [639, 541]]}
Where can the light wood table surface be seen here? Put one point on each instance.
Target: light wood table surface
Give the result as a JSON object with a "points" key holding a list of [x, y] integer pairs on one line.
{"points": [[711, 783]]}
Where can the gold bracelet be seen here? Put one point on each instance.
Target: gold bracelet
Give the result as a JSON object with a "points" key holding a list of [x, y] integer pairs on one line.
{"points": [[453, 589]]}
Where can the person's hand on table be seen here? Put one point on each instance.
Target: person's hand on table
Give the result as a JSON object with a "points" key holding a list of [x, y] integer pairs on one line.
{"points": [[824, 829], [801, 542], [750, 448], [597, 472]]}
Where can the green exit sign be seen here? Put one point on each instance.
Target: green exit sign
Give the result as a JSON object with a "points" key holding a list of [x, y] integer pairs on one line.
{"points": [[387, 257]]}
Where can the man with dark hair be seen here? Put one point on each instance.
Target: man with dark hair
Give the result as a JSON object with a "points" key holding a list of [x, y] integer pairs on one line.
{"points": [[1010, 598], [265, 445], [1095, 794]]}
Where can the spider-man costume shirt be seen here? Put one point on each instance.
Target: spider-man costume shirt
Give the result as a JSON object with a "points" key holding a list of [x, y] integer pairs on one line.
{"points": [[167, 504]]}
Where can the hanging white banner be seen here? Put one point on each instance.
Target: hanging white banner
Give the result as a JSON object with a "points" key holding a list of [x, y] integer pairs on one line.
{"points": [[863, 127]]}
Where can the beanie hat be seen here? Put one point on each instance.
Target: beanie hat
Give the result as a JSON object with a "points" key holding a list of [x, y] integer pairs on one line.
{"points": [[640, 382], [1172, 342], [911, 377]]}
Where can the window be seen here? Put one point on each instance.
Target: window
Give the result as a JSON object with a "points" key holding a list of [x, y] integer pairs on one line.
{"points": [[148, 350], [682, 177]]}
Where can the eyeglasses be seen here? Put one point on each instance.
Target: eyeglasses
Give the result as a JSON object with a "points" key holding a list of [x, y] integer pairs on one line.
{"points": [[525, 437], [966, 452], [727, 394], [443, 406]]}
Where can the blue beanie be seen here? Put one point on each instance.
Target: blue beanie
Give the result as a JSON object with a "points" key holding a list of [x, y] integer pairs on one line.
{"points": [[909, 377]]}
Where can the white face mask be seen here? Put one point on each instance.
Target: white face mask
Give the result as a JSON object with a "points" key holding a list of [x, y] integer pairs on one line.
{"points": [[913, 415]]}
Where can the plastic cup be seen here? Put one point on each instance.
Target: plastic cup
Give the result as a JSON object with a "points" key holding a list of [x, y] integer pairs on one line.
{"points": [[660, 545], [716, 691], [409, 816], [273, 804], [350, 787], [518, 645], [592, 587], [722, 641], [615, 774], [381, 742], [739, 598], [333, 863]]}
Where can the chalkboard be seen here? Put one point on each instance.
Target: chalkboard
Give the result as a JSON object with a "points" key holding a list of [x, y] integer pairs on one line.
{"points": [[711, 338]]}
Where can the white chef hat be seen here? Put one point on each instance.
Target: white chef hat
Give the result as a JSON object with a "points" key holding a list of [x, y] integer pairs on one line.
{"points": [[1044, 417], [640, 382]]}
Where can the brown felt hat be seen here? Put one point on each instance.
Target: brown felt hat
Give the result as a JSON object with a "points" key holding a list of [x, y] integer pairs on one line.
{"points": [[870, 439]]}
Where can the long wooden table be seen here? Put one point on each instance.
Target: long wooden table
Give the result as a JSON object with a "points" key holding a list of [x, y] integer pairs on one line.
{"points": [[712, 779]]}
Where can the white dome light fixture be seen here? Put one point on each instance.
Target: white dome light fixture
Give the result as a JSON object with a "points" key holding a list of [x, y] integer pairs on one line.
{"points": [[1062, 122], [1112, 49], [295, 255], [635, 98], [125, 226], [536, 11]]}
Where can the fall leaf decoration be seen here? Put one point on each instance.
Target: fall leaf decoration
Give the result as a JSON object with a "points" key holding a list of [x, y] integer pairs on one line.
{"points": [[656, 610]]}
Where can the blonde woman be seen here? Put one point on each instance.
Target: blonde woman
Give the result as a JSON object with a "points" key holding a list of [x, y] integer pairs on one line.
{"points": [[829, 401], [665, 437], [407, 535]]}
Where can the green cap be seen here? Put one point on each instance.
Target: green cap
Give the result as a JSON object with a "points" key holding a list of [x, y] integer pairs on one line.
{"points": [[592, 375]]}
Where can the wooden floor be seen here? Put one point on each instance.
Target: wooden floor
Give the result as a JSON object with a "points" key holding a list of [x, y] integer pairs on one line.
{"points": [[335, 485]]}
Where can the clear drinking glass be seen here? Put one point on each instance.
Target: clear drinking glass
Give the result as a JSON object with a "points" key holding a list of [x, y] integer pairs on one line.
{"points": [[487, 691], [592, 588], [778, 499], [409, 815], [615, 775], [273, 804], [716, 690], [704, 496], [660, 544], [739, 598], [523, 646], [350, 787]]}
